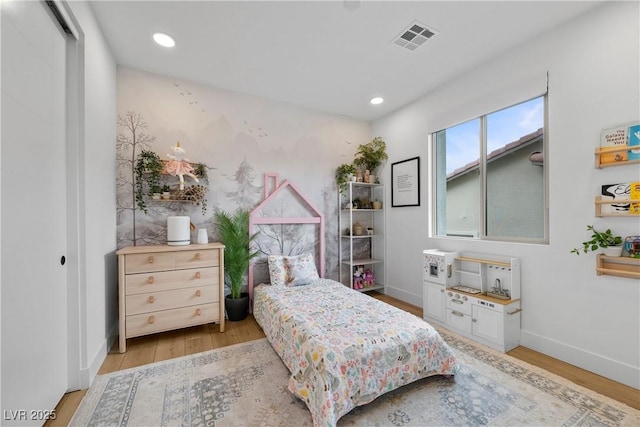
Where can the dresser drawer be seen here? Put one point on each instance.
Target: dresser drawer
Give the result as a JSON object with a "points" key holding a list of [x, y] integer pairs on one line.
{"points": [[159, 321], [166, 280], [197, 258], [165, 300], [138, 263]]}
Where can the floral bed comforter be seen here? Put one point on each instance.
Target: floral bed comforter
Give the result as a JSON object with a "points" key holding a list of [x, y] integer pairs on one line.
{"points": [[344, 348]]}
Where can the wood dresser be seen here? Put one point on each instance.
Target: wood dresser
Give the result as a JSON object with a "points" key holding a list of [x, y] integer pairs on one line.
{"points": [[165, 287]]}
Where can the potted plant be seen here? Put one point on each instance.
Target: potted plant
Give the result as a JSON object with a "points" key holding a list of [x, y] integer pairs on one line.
{"points": [[371, 155], [344, 174], [200, 171], [233, 232], [166, 194], [147, 170], [601, 239]]}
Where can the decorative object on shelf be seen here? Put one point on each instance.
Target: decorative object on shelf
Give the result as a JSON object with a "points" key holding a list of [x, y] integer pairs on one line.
{"points": [[196, 194], [601, 239], [405, 183], [369, 279], [344, 174], [358, 277], [233, 230], [166, 195], [377, 204], [200, 171], [631, 247], [357, 229], [371, 155], [356, 203], [148, 168], [179, 165]]}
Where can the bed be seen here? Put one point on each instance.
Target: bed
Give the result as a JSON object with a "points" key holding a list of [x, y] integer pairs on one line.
{"points": [[344, 348]]}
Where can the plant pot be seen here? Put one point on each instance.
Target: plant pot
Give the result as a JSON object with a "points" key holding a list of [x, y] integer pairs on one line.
{"points": [[166, 195], [156, 196], [612, 250], [237, 309]]}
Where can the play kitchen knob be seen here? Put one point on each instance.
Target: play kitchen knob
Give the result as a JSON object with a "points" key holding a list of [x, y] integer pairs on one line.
{"points": [[457, 296], [450, 294], [464, 298]]}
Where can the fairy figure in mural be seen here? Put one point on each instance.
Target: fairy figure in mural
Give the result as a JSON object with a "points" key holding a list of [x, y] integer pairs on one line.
{"points": [[178, 165]]}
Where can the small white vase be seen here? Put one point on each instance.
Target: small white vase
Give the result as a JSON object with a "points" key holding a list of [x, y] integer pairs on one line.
{"points": [[202, 238], [612, 250]]}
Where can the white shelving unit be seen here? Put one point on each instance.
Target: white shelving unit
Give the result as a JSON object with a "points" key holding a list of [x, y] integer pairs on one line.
{"points": [[362, 236]]}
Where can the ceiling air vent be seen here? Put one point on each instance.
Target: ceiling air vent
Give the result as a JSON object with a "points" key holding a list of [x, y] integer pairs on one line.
{"points": [[414, 36]]}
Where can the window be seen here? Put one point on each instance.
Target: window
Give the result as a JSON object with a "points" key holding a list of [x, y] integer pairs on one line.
{"points": [[490, 179]]}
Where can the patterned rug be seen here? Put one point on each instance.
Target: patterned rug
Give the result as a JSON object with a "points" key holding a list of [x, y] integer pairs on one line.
{"points": [[246, 385]]}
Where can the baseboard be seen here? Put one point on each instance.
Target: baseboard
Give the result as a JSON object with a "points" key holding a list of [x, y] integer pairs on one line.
{"points": [[403, 295], [87, 375], [601, 365]]}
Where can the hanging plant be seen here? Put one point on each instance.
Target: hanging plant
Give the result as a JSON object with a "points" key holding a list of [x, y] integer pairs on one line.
{"points": [[148, 168], [196, 194]]}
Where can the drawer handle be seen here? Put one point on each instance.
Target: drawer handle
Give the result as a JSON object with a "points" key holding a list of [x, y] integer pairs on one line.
{"points": [[474, 320], [198, 256], [152, 319], [455, 313], [198, 312], [151, 299], [198, 293], [457, 301], [150, 260], [197, 275], [514, 311], [150, 280]]}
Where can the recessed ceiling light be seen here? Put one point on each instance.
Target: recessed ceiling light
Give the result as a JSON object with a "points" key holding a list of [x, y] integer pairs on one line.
{"points": [[164, 40], [377, 100]]}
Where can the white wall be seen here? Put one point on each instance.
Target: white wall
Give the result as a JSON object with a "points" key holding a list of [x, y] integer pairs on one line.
{"points": [[97, 293], [594, 82]]}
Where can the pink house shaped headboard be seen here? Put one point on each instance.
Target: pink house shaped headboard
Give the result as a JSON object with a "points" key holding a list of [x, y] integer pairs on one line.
{"points": [[271, 190]]}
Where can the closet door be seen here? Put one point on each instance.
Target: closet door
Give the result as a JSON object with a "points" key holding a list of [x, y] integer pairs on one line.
{"points": [[33, 212]]}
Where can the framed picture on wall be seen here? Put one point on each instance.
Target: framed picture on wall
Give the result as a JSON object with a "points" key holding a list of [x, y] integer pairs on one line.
{"points": [[405, 183]]}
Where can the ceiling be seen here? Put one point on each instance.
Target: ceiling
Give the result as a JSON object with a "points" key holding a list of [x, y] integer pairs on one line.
{"points": [[330, 56]]}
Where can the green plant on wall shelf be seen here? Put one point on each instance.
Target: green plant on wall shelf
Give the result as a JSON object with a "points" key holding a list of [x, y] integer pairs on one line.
{"points": [[371, 155], [200, 171], [343, 172], [599, 239], [148, 168]]}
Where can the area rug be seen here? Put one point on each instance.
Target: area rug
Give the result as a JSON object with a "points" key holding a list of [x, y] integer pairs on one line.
{"points": [[246, 385]]}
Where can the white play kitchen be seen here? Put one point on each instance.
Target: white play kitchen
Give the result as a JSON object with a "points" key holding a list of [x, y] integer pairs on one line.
{"points": [[475, 295]]}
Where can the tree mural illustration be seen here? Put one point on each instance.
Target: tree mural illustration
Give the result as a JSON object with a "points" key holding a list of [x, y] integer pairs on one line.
{"points": [[246, 194], [129, 143]]}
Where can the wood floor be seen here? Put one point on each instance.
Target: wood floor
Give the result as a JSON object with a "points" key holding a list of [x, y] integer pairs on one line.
{"points": [[158, 347]]}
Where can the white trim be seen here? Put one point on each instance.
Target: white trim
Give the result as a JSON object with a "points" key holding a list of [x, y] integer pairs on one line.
{"points": [[605, 366]]}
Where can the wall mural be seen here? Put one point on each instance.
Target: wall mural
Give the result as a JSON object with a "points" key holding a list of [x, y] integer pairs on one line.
{"points": [[239, 138]]}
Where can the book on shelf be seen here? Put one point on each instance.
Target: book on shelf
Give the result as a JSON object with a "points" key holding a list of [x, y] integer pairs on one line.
{"points": [[614, 138], [622, 136], [634, 141], [620, 194], [634, 193]]}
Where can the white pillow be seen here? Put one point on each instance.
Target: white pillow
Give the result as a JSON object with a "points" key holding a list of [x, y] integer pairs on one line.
{"points": [[292, 270]]}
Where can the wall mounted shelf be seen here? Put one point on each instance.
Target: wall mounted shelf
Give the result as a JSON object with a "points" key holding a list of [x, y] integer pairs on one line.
{"points": [[600, 151], [599, 203], [618, 266]]}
